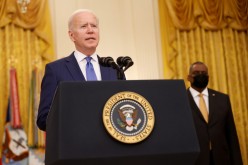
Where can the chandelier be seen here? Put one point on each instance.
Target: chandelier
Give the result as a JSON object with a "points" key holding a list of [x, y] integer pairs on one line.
{"points": [[24, 5]]}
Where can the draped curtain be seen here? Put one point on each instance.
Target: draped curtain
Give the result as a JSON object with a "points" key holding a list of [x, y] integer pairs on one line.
{"points": [[26, 44], [214, 32]]}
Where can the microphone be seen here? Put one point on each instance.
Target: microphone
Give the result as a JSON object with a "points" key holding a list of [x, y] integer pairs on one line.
{"points": [[108, 62], [124, 62]]}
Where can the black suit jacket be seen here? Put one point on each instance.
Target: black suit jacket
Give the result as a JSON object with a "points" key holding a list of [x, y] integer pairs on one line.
{"points": [[65, 69], [220, 130]]}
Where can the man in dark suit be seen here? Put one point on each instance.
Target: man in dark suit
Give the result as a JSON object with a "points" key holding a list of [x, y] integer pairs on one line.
{"points": [[84, 32], [216, 132]]}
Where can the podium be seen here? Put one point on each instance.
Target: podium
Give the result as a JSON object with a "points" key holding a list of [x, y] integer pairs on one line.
{"points": [[76, 133]]}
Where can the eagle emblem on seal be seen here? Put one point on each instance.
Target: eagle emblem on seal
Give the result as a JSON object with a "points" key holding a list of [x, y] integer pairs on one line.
{"points": [[128, 117]]}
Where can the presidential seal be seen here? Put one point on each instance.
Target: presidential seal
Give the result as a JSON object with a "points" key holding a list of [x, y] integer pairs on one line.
{"points": [[128, 117]]}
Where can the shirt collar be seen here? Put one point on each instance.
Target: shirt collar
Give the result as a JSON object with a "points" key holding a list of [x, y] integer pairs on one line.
{"points": [[80, 56], [196, 93]]}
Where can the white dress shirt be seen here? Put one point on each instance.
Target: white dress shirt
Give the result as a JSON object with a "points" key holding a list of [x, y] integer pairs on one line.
{"points": [[80, 57], [196, 96]]}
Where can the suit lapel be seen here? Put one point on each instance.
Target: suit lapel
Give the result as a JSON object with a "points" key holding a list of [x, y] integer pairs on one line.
{"points": [[104, 73], [211, 99], [74, 68]]}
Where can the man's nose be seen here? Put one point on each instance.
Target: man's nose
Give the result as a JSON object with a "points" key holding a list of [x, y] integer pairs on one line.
{"points": [[89, 29]]}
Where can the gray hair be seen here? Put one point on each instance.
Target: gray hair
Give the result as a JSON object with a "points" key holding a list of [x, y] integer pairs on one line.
{"points": [[80, 11]]}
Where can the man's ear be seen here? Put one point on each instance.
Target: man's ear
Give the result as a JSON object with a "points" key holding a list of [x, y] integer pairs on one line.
{"points": [[71, 35], [189, 78]]}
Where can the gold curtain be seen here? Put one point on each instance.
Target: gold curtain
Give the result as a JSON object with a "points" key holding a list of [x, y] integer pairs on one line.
{"points": [[215, 32], [26, 43]]}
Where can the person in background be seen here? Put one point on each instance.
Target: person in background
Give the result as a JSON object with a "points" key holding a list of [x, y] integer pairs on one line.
{"points": [[213, 118], [81, 65]]}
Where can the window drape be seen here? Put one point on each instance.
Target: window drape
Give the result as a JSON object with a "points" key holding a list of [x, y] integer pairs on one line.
{"points": [[26, 44], [214, 32]]}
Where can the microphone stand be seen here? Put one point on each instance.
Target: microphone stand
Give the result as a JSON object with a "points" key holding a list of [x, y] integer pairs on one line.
{"points": [[109, 62], [125, 62], [120, 73]]}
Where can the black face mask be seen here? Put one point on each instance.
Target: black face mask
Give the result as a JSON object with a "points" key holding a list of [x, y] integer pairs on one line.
{"points": [[200, 81]]}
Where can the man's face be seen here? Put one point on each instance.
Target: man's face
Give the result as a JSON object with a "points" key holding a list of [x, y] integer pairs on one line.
{"points": [[198, 76], [84, 32], [198, 69]]}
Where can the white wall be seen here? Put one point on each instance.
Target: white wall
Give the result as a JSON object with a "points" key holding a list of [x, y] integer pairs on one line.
{"points": [[127, 28]]}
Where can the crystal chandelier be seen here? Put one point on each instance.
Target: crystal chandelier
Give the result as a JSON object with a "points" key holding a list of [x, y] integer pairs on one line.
{"points": [[24, 5]]}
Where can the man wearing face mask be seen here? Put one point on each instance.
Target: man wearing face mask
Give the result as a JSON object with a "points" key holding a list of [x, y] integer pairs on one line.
{"points": [[213, 118]]}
